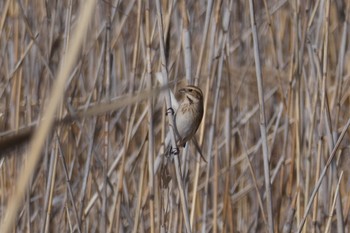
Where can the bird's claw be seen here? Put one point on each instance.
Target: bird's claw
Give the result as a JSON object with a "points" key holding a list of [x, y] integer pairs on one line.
{"points": [[170, 111], [173, 152]]}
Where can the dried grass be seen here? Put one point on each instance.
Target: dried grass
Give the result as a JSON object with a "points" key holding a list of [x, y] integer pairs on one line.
{"points": [[103, 169]]}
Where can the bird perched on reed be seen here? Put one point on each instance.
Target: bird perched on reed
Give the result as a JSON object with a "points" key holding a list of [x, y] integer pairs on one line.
{"points": [[189, 115]]}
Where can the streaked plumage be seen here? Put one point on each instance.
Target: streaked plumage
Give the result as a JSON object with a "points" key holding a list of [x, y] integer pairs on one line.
{"points": [[189, 114]]}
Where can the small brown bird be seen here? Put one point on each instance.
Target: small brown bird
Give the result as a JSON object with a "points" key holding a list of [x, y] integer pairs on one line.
{"points": [[189, 114]]}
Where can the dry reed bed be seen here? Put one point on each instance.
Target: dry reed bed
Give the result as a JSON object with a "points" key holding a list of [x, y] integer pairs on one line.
{"points": [[101, 172]]}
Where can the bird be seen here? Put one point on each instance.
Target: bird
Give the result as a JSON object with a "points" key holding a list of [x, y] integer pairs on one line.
{"points": [[189, 114], [189, 110]]}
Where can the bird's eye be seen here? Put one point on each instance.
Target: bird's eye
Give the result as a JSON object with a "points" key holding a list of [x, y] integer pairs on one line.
{"points": [[190, 90]]}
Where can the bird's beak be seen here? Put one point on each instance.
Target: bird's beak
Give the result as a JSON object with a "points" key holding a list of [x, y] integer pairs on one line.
{"points": [[182, 90]]}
